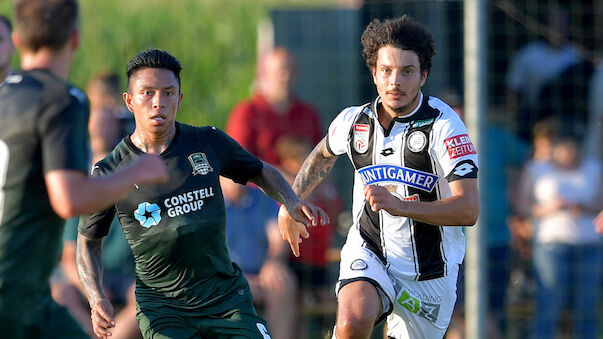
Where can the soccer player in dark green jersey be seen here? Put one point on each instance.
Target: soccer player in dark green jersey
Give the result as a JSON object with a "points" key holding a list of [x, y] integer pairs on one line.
{"points": [[43, 169], [186, 286]]}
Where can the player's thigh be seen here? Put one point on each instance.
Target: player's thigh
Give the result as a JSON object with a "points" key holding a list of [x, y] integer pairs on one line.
{"points": [[240, 322], [358, 300], [359, 264], [163, 326]]}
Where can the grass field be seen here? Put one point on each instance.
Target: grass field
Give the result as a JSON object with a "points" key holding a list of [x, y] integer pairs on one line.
{"points": [[214, 40]]}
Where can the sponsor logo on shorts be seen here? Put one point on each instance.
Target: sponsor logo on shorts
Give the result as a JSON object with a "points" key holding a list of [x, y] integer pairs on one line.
{"points": [[424, 309], [358, 265], [147, 214], [361, 137], [199, 163], [459, 145]]}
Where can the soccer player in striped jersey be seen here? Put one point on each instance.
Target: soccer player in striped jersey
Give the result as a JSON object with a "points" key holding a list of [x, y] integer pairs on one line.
{"points": [[415, 182]]}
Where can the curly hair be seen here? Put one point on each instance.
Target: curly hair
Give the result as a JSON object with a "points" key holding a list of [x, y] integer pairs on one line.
{"points": [[401, 32]]}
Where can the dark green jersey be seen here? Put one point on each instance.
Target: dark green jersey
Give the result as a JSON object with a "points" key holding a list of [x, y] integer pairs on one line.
{"points": [[43, 127], [177, 230]]}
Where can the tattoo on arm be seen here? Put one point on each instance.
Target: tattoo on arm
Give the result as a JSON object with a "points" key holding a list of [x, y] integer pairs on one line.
{"points": [[316, 167], [274, 185], [90, 267]]}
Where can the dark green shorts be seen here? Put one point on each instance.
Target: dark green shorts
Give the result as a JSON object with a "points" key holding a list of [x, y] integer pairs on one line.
{"points": [[241, 321], [53, 321]]}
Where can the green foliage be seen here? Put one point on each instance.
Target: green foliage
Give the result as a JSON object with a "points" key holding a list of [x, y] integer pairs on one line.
{"points": [[215, 41]]}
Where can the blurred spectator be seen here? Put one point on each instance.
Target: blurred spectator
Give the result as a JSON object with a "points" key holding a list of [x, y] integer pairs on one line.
{"points": [[311, 266], [109, 119], [107, 126], [7, 49], [594, 139], [118, 281], [273, 111], [566, 251], [532, 69], [502, 164], [256, 246]]}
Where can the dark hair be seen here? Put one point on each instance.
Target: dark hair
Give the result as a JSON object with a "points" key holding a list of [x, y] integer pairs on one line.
{"points": [[45, 23], [154, 58], [4, 19], [401, 32]]}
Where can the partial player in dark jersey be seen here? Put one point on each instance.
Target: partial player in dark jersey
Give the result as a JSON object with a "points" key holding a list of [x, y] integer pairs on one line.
{"points": [[415, 179], [43, 169], [186, 286]]}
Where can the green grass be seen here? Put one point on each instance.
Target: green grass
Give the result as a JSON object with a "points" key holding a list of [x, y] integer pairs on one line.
{"points": [[215, 41]]}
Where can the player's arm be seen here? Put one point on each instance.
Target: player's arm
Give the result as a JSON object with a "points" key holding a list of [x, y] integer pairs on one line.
{"points": [[73, 193], [316, 167], [272, 182], [90, 270], [460, 209]]}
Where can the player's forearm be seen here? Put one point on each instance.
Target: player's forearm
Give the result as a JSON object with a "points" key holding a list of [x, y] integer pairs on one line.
{"points": [[315, 169], [452, 211], [274, 185], [90, 267]]}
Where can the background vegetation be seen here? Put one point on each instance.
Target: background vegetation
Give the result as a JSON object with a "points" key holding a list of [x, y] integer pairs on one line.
{"points": [[215, 41]]}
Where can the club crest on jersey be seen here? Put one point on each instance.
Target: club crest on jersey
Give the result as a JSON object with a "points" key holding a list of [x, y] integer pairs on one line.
{"points": [[361, 137], [200, 164], [417, 141], [396, 174]]}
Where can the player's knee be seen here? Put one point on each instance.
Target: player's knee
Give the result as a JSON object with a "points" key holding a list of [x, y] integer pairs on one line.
{"points": [[353, 326]]}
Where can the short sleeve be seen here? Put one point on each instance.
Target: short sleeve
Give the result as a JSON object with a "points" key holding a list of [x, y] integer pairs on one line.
{"points": [[236, 162], [339, 131], [97, 225], [63, 128], [454, 149]]}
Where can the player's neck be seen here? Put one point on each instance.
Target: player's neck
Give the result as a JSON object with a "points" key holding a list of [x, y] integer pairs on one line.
{"points": [[153, 143], [57, 62]]}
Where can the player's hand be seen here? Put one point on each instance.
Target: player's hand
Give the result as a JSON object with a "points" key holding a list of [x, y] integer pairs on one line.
{"points": [[292, 223], [379, 198], [150, 169], [101, 314]]}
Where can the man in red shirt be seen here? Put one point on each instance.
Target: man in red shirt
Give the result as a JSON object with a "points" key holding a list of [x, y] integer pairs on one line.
{"points": [[273, 111]]}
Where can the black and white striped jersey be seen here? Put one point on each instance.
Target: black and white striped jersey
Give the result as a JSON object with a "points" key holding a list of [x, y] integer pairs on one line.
{"points": [[414, 159]]}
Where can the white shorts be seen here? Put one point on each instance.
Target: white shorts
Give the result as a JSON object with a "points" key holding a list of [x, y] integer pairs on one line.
{"points": [[421, 309]]}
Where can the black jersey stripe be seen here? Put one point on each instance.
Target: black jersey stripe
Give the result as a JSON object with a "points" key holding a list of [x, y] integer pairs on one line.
{"points": [[426, 238], [369, 221]]}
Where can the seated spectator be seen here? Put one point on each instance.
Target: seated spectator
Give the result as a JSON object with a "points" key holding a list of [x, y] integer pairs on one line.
{"points": [[256, 246], [312, 264], [274, 110]]}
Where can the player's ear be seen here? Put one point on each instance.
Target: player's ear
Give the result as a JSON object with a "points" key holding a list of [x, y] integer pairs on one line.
{"points": [[128, 101], [16, 39]]}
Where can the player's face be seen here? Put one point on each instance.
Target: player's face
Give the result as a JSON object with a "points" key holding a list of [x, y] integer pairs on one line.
{"points": [[154, 98], [7, 48], [399, 79]]}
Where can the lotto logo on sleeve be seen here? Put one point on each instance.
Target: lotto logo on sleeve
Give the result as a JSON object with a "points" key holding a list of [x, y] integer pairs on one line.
{"points": [[459, 145]]}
